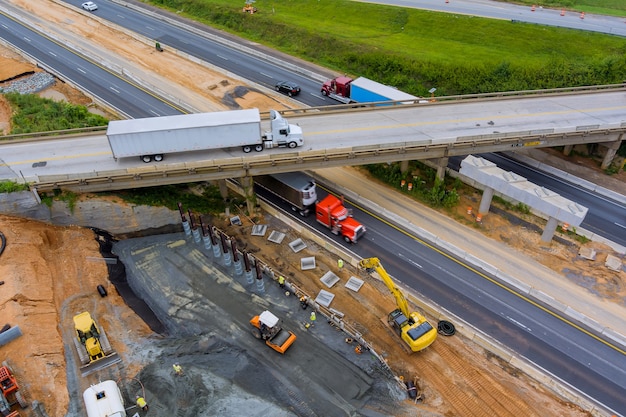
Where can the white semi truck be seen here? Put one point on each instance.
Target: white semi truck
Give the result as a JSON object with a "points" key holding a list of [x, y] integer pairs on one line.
{"points": [[153, 137]]}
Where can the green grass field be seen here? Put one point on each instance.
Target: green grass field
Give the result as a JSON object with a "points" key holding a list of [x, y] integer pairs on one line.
{"points": [[415, 50]]}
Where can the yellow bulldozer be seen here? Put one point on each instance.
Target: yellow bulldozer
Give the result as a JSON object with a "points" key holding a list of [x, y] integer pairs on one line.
{"points": [[92, 345]]}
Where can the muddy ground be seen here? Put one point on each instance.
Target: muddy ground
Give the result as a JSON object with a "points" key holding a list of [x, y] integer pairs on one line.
{"points": [[51, 273]]}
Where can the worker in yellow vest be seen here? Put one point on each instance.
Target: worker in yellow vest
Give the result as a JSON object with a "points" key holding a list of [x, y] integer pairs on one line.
{"points": [[178, 370], [141, 403], [281, 281]]}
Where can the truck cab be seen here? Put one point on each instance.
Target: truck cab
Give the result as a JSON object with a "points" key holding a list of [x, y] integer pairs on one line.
{"points": [[334, 215], [282, 134], [338, 89]]}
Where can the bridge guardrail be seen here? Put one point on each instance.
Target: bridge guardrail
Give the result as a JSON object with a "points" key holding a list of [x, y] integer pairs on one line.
{"points": [[214, 169]]}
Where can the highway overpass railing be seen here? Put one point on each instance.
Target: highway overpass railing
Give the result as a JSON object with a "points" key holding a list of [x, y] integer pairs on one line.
{"points": [[238, 167]]}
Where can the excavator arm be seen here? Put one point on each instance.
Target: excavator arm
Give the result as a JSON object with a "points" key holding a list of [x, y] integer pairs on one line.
{"points": [[374, 264]]}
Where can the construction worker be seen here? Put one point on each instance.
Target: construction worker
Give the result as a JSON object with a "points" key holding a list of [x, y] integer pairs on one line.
{"points": [[313, 318], [358, 349], [303, 303], [141, 403], [281, 281], [178, 370], [340, 263]]}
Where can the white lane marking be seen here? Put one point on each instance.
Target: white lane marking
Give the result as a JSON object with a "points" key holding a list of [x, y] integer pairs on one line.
{"points": [[265, 75], [517, 323], [81, 70], [114, 89], [155, 113], [411, 261], [27, 40], [52, 53], [620, 225], [223, 57]]}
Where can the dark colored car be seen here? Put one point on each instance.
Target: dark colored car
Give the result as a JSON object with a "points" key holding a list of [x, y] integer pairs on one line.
{"points": [[287, 87]]}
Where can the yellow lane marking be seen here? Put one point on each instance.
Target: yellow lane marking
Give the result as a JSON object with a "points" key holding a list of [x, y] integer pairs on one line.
{"points": [[493, 281]]}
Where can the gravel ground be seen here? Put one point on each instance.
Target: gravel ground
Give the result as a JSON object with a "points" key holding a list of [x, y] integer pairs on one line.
{"points": [[205, 307], [29, 85]]}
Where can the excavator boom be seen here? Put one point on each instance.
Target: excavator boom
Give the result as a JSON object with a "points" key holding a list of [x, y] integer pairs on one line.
{"points": [[412, 327], [374, 264]]}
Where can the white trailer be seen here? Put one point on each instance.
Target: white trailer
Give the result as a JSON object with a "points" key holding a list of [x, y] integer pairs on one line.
{"points": [[151, 138], [104, 400], [295, 188]]}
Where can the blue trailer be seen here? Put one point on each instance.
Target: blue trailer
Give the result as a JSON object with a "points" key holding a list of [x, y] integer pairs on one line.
{"points": [[363, 90]]}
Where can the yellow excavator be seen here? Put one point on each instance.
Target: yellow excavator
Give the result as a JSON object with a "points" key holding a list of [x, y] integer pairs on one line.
{"points": [[412, 327]]}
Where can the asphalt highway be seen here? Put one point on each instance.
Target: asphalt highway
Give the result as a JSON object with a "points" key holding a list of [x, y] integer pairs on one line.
{"points": [[564, 349]]}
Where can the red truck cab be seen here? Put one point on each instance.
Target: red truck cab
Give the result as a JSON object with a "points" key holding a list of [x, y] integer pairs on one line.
{"points": [[337, 88], [334, 215]]}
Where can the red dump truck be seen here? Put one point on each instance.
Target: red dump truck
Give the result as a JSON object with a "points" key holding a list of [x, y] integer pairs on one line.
{"points": [[333, 214]]}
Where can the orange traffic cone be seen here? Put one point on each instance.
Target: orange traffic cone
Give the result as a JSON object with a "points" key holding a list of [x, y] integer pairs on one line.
{"points": [[582, 15], [562, 12], [479, 218], [469, 210], [565, 227], [532, 9]]}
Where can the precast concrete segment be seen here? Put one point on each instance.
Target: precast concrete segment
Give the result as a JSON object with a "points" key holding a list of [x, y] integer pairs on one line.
{"points": [[518, 188]]}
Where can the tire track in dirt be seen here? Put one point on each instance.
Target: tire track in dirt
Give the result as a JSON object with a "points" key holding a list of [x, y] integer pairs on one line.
{"points": [[491, 392]]}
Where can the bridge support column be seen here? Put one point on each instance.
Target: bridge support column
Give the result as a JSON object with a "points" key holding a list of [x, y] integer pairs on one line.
{"points": [[567, 149], [248, 192], [404, 166], [485, 201], [548, 231], [223, 189], [442, 164], [612, 148]]}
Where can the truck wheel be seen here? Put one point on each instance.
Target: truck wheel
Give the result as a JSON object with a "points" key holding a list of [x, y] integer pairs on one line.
{"points": [[324, 92], [258, 148], [146, 158], [246, 149], [257, 333], [158, 158], [292, 145], [347, 239]]}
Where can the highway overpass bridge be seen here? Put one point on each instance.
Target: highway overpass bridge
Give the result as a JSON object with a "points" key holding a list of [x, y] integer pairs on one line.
{"points": [[342, 135]]}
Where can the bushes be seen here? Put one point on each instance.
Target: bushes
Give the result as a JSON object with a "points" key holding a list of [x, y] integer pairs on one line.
{"points": [[32, 113], [430, 190]]}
